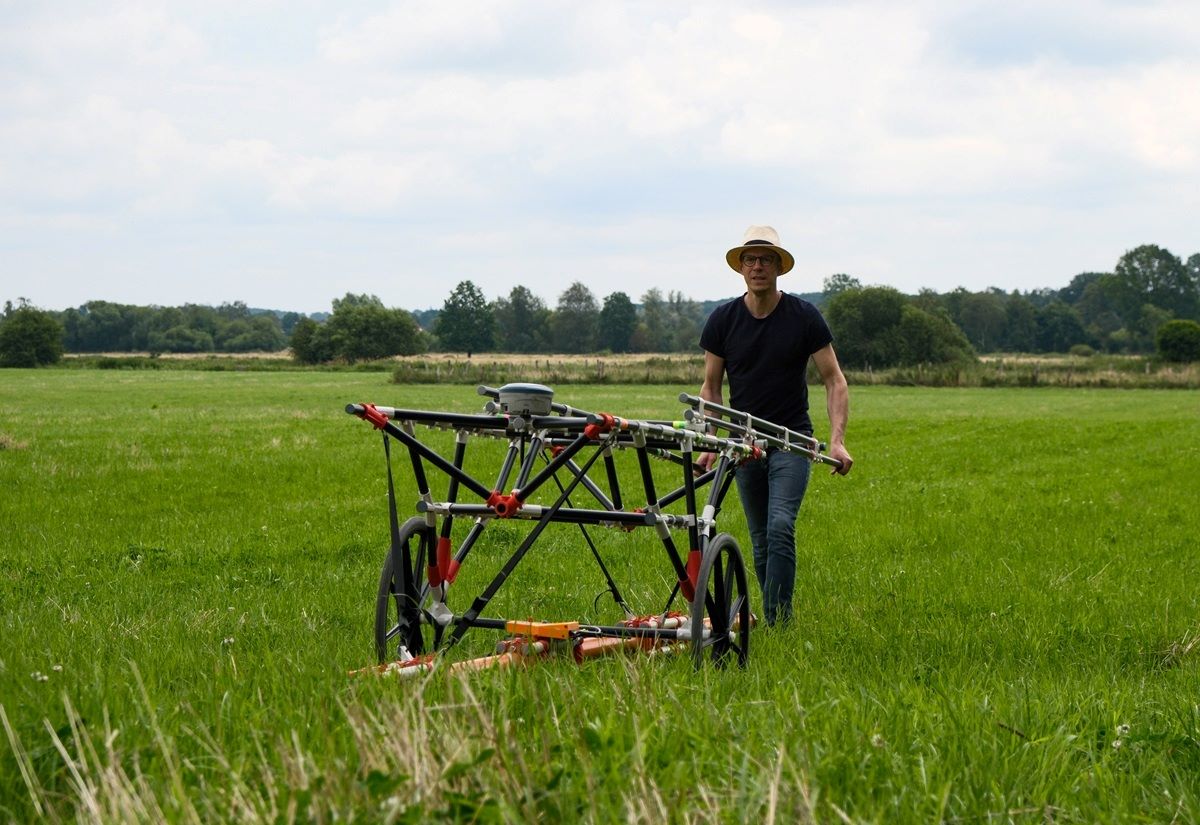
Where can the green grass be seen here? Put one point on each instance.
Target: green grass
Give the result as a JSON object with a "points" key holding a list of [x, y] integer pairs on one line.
{"points": [[997, 620]]}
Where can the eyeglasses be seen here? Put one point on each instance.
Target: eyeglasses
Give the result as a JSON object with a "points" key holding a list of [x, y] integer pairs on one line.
{"points": [[765, 260]]}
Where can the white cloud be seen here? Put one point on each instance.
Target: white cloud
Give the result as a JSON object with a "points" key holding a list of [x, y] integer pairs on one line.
{"points": [[421, 30], [903, 142]]}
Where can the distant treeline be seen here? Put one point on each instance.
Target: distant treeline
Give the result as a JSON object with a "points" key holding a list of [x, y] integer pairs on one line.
{"points": [[1121, 311], [103, 326]]}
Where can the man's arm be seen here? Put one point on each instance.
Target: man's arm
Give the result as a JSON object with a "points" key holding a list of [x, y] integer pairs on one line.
{"points": [[714, 378], [710, 390], [837, 402]]}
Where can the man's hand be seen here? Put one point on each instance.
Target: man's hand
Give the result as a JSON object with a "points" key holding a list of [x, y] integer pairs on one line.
{"points": [[838, 451], [704, 463]]}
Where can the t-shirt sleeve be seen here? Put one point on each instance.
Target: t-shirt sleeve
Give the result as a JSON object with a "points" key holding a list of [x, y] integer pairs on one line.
{"points": [[820, 335]]}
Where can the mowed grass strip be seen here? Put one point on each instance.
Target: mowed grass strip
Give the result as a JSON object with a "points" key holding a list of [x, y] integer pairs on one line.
{"points": [[997, 618]]}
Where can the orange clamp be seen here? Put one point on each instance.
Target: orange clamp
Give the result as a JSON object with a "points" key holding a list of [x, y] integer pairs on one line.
{"points": [[502, 505], [371, 413], [542, 630], [594, 431]]}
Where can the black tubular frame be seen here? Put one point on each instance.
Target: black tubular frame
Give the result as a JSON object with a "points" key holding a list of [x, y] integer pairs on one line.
{"points": [[558, 440]]}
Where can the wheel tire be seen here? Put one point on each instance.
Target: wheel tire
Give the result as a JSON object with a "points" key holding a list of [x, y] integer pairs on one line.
{"points": [[402, 593], [721, 599]]}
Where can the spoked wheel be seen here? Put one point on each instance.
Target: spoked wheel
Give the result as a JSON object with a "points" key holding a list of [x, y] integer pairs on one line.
{"points": [[402, 594], [721, 608]]}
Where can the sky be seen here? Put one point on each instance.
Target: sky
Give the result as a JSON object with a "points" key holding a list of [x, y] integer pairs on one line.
{"points": [[286, 153]]}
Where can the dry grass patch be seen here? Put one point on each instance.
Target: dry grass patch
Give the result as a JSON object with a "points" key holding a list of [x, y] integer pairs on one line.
{"points": [[10, 442]]}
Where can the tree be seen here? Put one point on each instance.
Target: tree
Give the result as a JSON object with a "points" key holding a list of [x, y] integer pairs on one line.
{"points": [[685, 322], [1072, 292], [878, 327], [1179, 340], [288, 322], [29, 337], [864, 323], [258, 333], [365, 332], [1149, 321], [351, 300], [982, 319], [618, 320], [359, 328], [1150, 274], [928, 300], [1020, 324], [98, 326], [1059, 328], [931, 338], [465, 323], [233, 311], [839, 282], [575, 319], [179, 339], [310, 343], [522, 321], [653, 329]]}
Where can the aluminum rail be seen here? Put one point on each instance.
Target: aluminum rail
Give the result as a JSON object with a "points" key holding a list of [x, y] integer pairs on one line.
{"points": [[751, 426]]}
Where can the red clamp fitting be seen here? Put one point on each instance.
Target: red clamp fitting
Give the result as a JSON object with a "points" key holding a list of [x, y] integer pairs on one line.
{"points": [[371, 413], [433, 574], [594, 431], [443, 560], [629, 528], [756, 452], [502, 505], [693, 566], [688, 585], [555, 449]]}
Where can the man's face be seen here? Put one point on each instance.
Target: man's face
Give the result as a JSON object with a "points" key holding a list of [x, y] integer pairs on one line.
{"points": [[760, 268]]}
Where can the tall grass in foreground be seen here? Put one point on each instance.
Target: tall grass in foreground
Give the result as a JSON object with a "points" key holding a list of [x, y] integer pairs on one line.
{"points": [[997, 620]]}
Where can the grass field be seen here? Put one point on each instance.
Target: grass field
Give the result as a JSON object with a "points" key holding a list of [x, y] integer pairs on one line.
{"points": [[998, 619]]}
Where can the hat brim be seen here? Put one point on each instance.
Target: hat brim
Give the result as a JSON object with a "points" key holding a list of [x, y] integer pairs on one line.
{"points": [[734, 257]]}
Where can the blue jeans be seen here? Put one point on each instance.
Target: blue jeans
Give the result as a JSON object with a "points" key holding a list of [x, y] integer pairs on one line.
{"points": [[771, 490]]}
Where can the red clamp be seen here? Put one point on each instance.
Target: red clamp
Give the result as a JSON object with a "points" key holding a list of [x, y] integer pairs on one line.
{"points": [[629, 528], [502, 505], [756, 452], [688, 585], [555, 449], [433, 574], [594, 431], [371, 413], [443, 559]]}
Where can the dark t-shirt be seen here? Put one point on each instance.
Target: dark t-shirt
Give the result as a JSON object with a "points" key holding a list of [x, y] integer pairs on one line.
{"points": [[766, 358]]}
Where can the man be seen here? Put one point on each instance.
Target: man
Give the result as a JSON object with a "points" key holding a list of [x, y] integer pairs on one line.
{"points": [[763, 341]]}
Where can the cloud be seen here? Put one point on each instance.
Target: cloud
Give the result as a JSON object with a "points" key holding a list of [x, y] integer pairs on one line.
{"points": [[425, 32], [890, 141]]}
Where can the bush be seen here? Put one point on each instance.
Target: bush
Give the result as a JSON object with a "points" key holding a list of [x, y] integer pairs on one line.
{"points": [[360, 329], [29, 337], [1082, 350], [878, 327], [310, 342], [1179, 341]]}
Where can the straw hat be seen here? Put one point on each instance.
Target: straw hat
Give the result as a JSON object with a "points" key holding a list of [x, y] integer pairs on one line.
{"points": [[760, 236]]}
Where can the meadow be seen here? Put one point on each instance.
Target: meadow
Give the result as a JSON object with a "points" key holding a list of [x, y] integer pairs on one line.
{"points": [[998, 620]]}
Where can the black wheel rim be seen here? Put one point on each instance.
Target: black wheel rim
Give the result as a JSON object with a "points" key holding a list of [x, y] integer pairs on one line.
{"points": [[722, 604], [402, 595]]}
